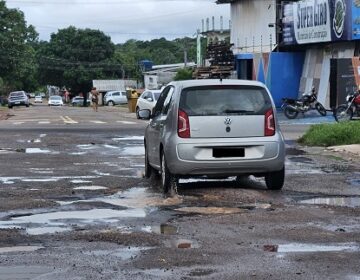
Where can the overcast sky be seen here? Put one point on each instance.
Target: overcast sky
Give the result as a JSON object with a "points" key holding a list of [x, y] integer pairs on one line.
{"points": [[123, 19]]}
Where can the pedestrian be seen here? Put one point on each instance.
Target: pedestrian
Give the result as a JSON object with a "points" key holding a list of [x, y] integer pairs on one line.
{"points": [[95, 98]]}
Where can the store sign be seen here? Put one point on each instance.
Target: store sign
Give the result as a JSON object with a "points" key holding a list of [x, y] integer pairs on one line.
{"points": [[314, 21]]}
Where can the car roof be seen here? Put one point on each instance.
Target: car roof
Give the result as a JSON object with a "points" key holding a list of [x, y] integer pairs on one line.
{"points": [[216, 82]]}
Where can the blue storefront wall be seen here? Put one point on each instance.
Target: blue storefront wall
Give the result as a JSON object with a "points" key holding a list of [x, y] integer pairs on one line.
{"points": [[279, 71]]}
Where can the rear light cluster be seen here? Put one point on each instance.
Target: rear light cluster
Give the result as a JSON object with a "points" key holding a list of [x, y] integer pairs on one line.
{"points": [[183, 125], [269, 123]]}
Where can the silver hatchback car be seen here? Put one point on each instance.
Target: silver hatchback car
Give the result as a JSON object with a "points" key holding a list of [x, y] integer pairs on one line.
{"points": [[214, 128]]}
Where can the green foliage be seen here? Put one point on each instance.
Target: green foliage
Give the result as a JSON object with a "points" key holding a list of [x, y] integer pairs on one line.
{"points": [[345, 133], [184, 74], [74, 57], [17, 56], [159, 51]]}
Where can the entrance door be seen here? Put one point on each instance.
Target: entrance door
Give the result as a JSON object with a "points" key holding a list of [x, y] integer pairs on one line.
{"points": [[245, 69]]}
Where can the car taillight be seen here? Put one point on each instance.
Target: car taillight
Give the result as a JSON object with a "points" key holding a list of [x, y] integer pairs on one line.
{"points": [[183, 125], [269, 123]]}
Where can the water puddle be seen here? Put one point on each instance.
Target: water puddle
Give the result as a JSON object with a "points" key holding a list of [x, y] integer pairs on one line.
{"points": [[39, 151], [5, 151], [294, 152], [351, 202], [65, 220], [15, 249], [183, 244], [42, 170], [90, 188], [137, 198], [80, 181], [301, 159], [129, 138], [162, 229], [12, 180], [133, 151], [46, 230], [210, 210], [78, 153], [301, 168], [128, 253], [311, 248], [34, 141]]}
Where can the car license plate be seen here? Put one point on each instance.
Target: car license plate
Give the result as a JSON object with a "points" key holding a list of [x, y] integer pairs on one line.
{"points": [[18, 102], [228, 152]]}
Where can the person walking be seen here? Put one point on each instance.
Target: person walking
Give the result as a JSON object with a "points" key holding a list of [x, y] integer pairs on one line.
{"points": [[95, 98]]}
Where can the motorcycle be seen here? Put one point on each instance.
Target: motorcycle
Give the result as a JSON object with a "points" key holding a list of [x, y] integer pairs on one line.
{"points": [[346, 112], [292, 107]]}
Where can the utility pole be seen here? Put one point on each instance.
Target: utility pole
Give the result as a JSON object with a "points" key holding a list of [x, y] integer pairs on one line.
{"points": [[198, 45]]}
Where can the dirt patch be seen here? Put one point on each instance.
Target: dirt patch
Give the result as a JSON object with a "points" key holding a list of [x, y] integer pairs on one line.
{"points": [[4, 115]]}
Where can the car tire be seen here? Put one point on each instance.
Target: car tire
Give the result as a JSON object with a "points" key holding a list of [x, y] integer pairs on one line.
{"points": [[27, 106], [275, 180], [110, 103], [137, 112], [169, 181], [10, 107], [148, 168]]}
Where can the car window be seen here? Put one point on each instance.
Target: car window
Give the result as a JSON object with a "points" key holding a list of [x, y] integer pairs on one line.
{"points": [[163, 104], [145, 95], [116, 94], [156, 95], [123, 93], [225, 100]]}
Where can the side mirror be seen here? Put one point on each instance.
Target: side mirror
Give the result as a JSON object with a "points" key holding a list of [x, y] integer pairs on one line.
{"points": [[145, 114]]}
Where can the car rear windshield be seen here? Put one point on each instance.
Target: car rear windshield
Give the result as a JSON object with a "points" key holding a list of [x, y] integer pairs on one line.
{"points": [[56, 97], [225, 100], [18, 93]]}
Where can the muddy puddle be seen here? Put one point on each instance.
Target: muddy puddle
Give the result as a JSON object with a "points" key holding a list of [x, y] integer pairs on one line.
{"points": [[210, 210], [13, 180], [61, 221], [311, 248], [106, 149], [90, 188], [351, 202]]}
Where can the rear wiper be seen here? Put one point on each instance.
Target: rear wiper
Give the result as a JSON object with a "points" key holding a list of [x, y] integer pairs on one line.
{"points": [[228, 111]]}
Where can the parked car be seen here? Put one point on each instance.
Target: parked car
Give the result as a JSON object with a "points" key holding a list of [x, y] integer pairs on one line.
{"points": [[18, 98], [79, 101], [147, 100], [38, 99], [112, 98], [214, 128], [55, 100]]}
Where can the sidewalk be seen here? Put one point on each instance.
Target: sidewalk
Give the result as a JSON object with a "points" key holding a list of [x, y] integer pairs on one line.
{"points": [[4, 113], [349, 149]]}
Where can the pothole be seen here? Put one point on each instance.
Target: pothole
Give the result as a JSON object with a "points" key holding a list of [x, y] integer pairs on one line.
{"points": [[183, 244], [161, 229], [351, 202]]}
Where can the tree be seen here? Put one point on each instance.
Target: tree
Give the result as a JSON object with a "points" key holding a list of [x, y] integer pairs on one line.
{"points": [[74, 57], [184, 74], [17, 55]]}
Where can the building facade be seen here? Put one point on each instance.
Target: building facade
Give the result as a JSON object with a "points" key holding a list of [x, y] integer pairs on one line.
{"points": [[295, 45]]}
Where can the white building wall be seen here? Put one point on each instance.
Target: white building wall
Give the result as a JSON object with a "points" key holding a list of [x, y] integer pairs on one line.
{"points": [[250, 31]]}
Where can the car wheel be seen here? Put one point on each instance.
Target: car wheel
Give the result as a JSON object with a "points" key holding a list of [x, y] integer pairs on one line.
{"points": [[27, 105], [111, 103], [169, 181], [10, 107], [137, 113], [275, 180]]}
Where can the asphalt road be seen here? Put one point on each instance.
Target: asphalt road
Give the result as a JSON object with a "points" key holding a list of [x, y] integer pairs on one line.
{"points": [[74, 205]]}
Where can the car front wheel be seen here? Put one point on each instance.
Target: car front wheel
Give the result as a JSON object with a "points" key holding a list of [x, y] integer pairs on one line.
{"points": [[169, 181], [275, 180]]}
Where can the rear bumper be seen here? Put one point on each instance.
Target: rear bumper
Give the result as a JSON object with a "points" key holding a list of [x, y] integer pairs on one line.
{"points": [[265, 154]]}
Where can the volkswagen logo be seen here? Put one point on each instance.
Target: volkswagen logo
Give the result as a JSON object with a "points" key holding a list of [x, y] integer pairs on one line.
{"points": [[227, 121]]}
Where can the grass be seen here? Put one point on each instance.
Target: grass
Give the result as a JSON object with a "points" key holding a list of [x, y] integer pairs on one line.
{"points": [[326, 135]]}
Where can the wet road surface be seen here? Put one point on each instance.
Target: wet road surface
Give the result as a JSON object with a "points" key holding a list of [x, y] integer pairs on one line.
{"points": [[74, 205]]}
